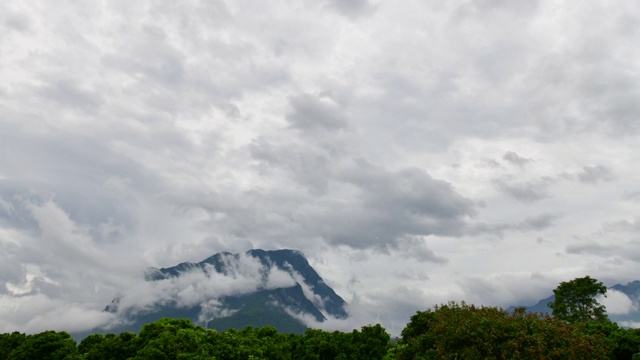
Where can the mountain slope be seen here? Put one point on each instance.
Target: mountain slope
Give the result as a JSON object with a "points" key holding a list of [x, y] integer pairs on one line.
{"points": [[233, 291]]}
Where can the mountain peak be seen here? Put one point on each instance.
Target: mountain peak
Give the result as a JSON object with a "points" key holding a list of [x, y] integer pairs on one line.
{"points": [[235, 290]]}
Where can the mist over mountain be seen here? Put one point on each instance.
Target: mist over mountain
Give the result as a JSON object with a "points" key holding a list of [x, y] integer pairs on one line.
{"points": [[226, 290], [277, 287]]}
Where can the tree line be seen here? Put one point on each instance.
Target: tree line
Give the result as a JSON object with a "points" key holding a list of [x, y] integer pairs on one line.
{"points": [[577, 329]]}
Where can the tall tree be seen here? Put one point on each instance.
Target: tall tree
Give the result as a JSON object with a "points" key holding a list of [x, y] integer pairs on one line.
{"points": [[577, 300]]}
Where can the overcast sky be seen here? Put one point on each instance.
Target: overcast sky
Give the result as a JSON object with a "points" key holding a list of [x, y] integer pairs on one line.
{"points": [[415, 151]]}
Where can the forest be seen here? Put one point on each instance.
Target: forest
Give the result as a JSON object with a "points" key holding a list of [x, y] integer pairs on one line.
{"points": [[577, 329]]}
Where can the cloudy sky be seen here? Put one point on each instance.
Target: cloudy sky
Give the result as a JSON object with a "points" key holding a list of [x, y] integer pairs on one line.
{"points": [[416, 151]]}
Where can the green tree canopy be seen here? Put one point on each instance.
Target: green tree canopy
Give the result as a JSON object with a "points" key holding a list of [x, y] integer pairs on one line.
{"points": [[461, 331], [45, 345], [576, 300]]}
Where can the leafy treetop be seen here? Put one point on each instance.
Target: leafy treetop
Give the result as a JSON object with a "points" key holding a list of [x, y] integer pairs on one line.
{"points": [[576, 301]]}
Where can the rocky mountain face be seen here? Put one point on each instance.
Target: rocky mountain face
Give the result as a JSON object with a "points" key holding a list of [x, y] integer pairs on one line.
{"points": [[227, 290]]}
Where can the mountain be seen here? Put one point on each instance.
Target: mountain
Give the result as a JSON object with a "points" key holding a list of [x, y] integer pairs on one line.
{"points": [[539, 307], [622, 304], [630, 318], [257, 288]]}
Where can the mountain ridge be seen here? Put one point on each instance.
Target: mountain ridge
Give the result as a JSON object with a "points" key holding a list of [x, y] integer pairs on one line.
{"points": [[283, 288]]}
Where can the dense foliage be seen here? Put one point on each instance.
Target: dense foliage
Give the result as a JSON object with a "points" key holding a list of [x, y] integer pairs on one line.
{"points": [[450, 331], [180, 339], [461, 331]]}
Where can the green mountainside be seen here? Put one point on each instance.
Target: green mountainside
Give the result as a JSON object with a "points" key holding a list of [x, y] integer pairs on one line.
{"points": [[280, 307]]}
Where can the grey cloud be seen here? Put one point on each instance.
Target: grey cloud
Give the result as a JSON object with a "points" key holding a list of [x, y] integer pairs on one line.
{"points": [[18, 22], [151, 55], [68, 93], [621, 250], [11, 270], [412, 275], [623, 226], [364, 207], [610, 91], [535, 223], [39, 313], [632, 195], [391, 205], [409, 190], [599, 84], [316, 112], [392, 308], [521, 7], [353, 9], [309, 166], [57, 269], [591, 247], [515, 159], [490, 163], [527, 191], [416, 248], [84, 176], [506, 289], [594, 174]]}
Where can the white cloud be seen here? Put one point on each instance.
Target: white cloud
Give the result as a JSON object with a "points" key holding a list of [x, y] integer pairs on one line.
{"points": [[618, 303], [37, 313]]}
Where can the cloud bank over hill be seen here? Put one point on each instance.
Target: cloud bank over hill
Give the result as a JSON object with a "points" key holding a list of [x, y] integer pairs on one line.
{"points": [[417, 153]]}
